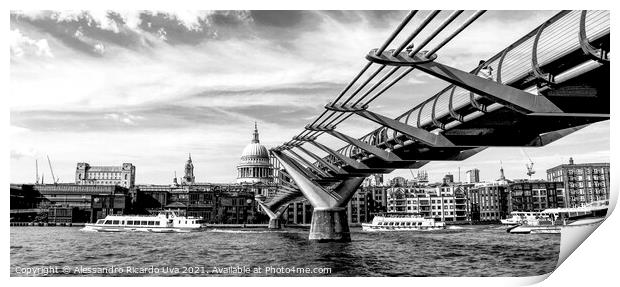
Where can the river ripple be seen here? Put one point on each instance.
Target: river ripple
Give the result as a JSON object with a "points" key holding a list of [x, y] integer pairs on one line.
{"points": [[461, 251]]}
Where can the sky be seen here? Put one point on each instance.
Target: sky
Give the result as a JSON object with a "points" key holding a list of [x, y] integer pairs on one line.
{"points": [[150, 87]]}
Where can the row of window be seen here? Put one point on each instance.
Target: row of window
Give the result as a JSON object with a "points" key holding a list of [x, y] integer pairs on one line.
{"points": [[489, 214], [129, 222], [105, 175], [400, 223]]}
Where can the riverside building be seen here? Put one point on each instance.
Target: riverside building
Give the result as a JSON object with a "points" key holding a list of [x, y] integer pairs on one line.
{"points": [[535, 196], [443, 202], [583, 183], [123, 175], [488, 202]]}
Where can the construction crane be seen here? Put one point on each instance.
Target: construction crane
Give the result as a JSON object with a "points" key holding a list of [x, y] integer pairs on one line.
{"points": [[529, 166], [530, 169], [54, 179]]}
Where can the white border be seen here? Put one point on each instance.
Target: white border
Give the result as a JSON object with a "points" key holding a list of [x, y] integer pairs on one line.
{"points": [[592, 264]]}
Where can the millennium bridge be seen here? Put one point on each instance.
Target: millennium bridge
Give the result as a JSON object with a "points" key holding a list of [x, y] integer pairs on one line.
{"points": [[550, 83]]}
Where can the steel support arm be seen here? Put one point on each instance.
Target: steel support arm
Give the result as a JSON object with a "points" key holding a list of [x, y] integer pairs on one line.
{"points": [[550, 137], [378, 152], [346, 189], [323, 162], [506, 95], [511, 97], [422, 135], [318, 196], [465, 154], [304, 170], [347, 160], [273, 215], [309, 164]]}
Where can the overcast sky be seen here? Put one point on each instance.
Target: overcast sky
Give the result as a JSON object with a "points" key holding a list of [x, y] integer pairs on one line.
{"points": [[150, 87]]}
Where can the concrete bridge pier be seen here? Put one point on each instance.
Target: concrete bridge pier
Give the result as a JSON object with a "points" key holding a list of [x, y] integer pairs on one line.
{"points": [[330, 225], [329, 220], [274, 217], [274, 223]]}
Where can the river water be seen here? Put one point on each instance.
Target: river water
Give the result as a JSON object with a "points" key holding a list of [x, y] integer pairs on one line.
{"points": [[459, 251]]}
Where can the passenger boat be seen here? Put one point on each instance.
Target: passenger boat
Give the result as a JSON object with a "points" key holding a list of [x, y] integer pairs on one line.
{"points": [[402, 222], [519, 217], [553, 220], [166, 221]]}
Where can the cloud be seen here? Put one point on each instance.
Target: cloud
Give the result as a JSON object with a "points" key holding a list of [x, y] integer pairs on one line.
{"points": [[99, 48], [124, 118], [21, 46]]}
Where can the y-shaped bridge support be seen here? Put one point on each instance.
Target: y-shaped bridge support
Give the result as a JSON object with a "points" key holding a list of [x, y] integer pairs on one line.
{"points": [[329, 219], [274, 217]]}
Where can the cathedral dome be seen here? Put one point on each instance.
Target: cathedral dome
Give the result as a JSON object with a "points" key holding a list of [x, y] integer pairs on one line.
{"points": [[254, 165], [254, 150]]}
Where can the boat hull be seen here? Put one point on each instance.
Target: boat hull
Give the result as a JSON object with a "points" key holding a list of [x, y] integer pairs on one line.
{"points": [[370, 227], [95, 228], [553, 229]]}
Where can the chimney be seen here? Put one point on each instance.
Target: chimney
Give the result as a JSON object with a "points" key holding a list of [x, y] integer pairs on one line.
{"points": [[570, 161]]}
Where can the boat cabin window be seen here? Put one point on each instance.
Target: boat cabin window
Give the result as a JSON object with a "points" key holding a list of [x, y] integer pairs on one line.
{"points": [[143, 223], [108, 222], [115, 222], [100, 221], [151, 222]]}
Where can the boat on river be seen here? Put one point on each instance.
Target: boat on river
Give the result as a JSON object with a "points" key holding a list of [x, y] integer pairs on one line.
{"points": [[402, 222], [553, 220], [519, 217], [166, 221]]}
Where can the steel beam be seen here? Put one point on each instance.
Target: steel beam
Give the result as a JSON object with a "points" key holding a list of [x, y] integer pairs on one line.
{"points": [[316, 194], [506, 95], [378, 152], [422, 135], [304, 170], [309, 164], [347, 160], [547, 138], [323, 162], [465, 154], [272, 214], [274, 217]]}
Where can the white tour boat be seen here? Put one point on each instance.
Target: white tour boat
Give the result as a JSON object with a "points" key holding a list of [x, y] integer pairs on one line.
{"points": [[402, 222], [554, 219], [519, 217], [164, 222]]}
